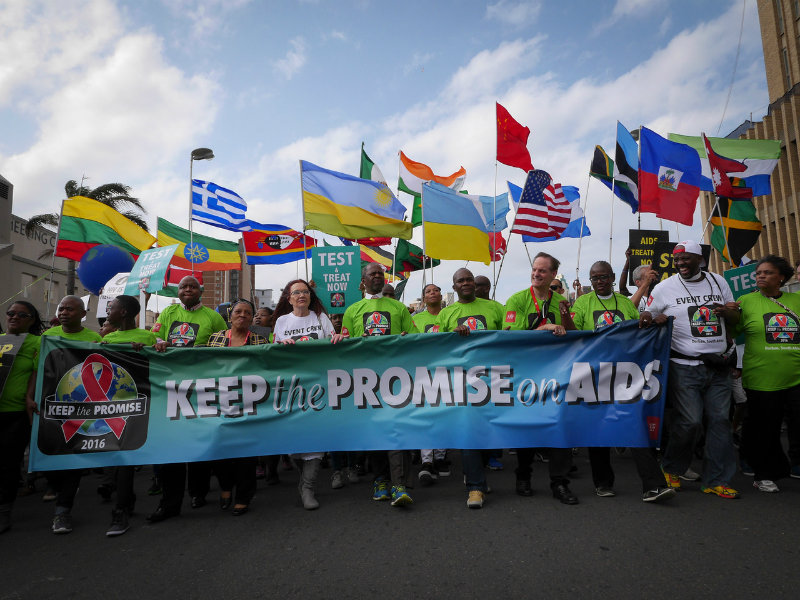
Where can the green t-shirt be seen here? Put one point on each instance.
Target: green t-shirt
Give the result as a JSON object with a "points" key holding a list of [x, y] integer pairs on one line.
{"points": [[521, 311], [377, 316], [426, 322], [140, 336], [590, 312], [184, 328], [13, 397], [772, 342], [478, 315], [84, 335]]}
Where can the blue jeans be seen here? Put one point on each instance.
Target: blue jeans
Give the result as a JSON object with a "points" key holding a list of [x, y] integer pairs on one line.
{"points": [[693, 391], [472, 464]]}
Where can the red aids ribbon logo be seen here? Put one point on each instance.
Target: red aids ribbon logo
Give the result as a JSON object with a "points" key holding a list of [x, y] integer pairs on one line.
{"points": [[96, 387]]}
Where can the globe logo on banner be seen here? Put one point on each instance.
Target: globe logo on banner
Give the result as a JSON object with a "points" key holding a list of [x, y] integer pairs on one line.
{"points": [[94, 399], [195, 252], [474, 324]]}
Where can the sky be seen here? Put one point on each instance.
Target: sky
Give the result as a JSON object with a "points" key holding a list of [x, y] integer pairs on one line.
{"points": [[118, 91]]}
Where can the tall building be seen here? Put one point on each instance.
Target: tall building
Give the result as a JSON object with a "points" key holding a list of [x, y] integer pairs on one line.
{"points": [[224, 286], [780, 37]]}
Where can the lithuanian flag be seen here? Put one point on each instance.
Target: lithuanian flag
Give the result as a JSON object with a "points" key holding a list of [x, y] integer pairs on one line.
{"points": [[202, 254], [86, 223]]}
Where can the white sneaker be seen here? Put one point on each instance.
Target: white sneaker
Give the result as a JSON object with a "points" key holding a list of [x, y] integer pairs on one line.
{"points": [[337, 480], [690, 475], [765, 485]]}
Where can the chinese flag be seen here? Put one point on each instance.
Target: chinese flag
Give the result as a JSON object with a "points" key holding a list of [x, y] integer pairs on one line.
{"points": [[512, 141]]}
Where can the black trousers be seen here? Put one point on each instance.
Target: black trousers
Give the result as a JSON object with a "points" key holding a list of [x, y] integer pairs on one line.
{"points": [[65, 484], [123, 480], [239, 473], [560, 462], [15, 433], [173, 482], [646, 465], [761, 431]]}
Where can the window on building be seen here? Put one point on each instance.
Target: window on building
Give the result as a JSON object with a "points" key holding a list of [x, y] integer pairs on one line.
{"points": [[796, 8], [779, 15], [786, 69]]}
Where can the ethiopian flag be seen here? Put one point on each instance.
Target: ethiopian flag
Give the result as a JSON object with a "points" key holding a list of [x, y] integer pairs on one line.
{"points": [[86, 223], [200, 252]]}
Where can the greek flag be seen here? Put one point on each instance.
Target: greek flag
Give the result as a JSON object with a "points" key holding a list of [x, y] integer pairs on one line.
{"points": [[218, 206]]}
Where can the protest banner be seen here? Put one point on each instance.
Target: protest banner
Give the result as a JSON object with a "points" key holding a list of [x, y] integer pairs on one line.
{"points": [[337, 273], [742, 280], [9, 347], [110, 405], [641, 243]]}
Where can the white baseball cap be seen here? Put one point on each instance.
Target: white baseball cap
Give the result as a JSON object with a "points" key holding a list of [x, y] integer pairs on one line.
{"points": [[691, 247]]}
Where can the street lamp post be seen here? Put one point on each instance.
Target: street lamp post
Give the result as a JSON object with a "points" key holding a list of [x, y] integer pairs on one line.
{"points": [[197, 154]]}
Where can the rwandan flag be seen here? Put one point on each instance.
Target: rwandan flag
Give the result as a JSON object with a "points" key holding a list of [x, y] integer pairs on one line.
{"points": [[202, 254], [350, 207], [86, 223]]}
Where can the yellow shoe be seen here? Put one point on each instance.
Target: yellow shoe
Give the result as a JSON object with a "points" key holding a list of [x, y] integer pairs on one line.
{"points": [[475, 499], [673, 481], [723, 491]]}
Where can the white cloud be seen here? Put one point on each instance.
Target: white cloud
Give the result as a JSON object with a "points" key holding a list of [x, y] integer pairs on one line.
{"points": [[337, 35], [628, 8], [518, 14], [418, 62], [122, 114], [294, 60], [207, 18]]}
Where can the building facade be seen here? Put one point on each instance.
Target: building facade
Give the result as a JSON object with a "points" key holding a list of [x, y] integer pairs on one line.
{"points": [[780, 211]]}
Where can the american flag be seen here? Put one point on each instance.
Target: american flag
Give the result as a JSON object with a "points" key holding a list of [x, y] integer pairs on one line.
{"points": [[543, 210]]}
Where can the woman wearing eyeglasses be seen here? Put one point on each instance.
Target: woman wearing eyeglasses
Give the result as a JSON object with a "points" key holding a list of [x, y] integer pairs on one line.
{"points": [[299, 317], [17, 402], [238, 472]]}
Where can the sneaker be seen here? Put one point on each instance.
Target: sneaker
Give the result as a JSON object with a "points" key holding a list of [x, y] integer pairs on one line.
{"points": [[690, 475], [442, 467], [745, 468], [723, 491], [119, 523], [673, 481], [400, 496], [540, 457], [765, 485], [380, 490], [657, 494], [425, 475], [795, 472], [337, 480], [495, 465], [62, 523], [49, 495], [352, 475], [475, 499], [605, 492]]}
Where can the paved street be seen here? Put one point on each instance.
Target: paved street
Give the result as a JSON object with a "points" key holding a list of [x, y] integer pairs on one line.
{"points": [[694, 546]]}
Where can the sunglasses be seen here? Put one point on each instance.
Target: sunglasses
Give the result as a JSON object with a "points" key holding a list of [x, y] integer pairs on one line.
{"points": [[555, 288], [21, 315]]}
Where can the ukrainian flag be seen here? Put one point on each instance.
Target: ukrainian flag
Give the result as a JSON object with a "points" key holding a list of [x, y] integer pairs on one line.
{"points": [[454, 225], [350, 207]]}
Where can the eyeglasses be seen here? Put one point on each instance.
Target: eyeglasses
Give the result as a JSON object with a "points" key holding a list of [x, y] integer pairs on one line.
{"points": [[603, 277], [21, 315], [555, 288], [301, 293]]}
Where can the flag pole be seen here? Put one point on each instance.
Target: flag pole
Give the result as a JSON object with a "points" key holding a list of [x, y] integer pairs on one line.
{"points": [[53, 262], [580, 238], [191, 229], [611, 228], [494, 218], [508, 245], [305, 222], [721, 224], [424, 247]]}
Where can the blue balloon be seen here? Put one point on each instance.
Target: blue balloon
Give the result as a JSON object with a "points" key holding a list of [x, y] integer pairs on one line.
{"points": [[101, 263]]}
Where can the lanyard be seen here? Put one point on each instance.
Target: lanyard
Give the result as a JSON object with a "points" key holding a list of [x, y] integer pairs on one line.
{"points": [[545, 306], [228, 335]]}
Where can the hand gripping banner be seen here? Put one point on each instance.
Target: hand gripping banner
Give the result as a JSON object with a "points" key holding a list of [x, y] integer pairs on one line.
{"points": [[109, 405]]}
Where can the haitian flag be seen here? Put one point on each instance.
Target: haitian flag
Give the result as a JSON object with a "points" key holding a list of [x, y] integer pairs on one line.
{"points": [[276, 245], [669, 178]]}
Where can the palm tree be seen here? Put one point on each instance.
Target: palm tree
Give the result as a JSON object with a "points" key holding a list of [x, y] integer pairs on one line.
{"points": [[115, 195]]}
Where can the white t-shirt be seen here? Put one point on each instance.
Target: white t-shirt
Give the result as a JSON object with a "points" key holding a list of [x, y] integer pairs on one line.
{"points": [[697, 329], [310, 327]]}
